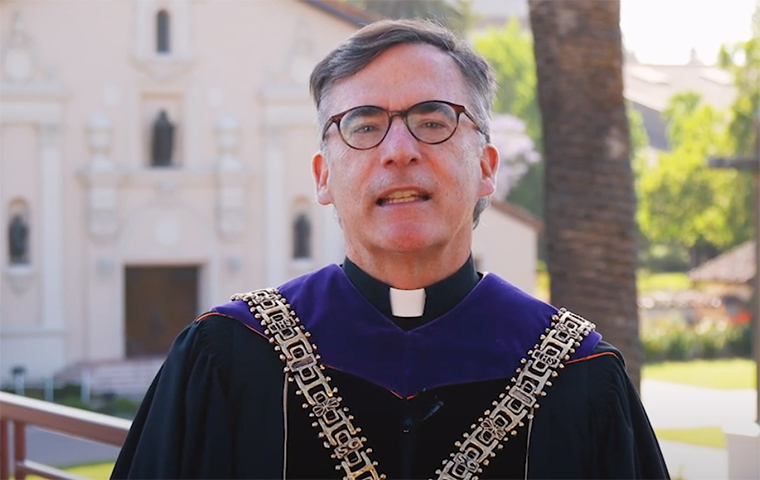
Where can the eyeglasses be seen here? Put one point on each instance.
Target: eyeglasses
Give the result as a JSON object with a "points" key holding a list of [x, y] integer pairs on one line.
{"points": [[429, 122]]}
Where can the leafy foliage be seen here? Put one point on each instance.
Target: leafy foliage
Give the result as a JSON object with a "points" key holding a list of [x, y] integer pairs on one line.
{"points": [[528, 193], [743, 61], [638, 135], [509, 50], [683, 203], [681, 199]]}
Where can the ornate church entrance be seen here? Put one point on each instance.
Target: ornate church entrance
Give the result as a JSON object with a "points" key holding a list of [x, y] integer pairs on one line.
{"points": [[159, 303]]}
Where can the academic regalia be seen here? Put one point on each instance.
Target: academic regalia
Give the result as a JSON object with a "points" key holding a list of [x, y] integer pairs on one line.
{"points": [[215, 409]]}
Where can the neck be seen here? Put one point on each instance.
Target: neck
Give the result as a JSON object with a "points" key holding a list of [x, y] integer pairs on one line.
{"points": [[409, 271]]}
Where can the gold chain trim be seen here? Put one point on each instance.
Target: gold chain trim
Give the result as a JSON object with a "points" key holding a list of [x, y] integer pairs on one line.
{"points": [[517, 404], [284, 329]]}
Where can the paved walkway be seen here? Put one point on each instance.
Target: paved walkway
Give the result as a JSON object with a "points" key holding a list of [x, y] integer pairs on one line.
{"points": [[692, 462], [672, 406], [63, 450]]}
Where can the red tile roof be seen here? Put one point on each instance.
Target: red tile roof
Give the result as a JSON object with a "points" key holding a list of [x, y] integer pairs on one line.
{"points": [[518, 213], [737, 265]]}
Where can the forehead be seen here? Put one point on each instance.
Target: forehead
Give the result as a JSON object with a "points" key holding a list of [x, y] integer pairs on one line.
{"points": [[400, 77]]}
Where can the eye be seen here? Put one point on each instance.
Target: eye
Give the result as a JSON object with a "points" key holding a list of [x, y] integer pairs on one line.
{"points": [[363, 128], [432, 121], [364, 121], [432, 116], [431, 125]]}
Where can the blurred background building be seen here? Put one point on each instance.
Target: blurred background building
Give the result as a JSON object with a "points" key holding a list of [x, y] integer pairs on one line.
{"points": [[154, 159]]}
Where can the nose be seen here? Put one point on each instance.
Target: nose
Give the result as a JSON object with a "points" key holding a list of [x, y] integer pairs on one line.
{"points": [[399, 147]]}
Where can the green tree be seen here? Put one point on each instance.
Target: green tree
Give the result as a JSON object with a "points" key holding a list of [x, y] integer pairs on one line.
{"points": [[683, 205], [743, 61], [682, 200], [638, 134], [509, 50]]}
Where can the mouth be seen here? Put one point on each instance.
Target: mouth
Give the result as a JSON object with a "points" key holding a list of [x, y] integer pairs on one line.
{"points": [[402, 196]]}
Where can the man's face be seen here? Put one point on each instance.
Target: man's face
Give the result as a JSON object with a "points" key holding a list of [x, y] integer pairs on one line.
{"points": [[405, 196]]}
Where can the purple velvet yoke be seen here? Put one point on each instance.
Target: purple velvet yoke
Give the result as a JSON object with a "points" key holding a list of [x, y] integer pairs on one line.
{"points": [[482, 338]]}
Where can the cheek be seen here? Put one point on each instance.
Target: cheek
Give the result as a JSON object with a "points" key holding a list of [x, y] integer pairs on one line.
{"points": [[348, 179], [346, 191]]}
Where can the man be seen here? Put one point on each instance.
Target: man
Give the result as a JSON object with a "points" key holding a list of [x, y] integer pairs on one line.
{"points": [[441, 369]]}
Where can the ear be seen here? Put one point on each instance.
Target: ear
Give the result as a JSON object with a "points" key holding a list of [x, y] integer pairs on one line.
{"points": [[489, 166], [321, 170]]}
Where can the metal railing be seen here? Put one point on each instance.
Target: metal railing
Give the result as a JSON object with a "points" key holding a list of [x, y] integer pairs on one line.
{"points": [[22, 411]]}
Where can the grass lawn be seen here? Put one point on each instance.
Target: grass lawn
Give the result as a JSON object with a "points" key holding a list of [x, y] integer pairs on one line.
{"points": [[705, 436], [542, 285], [97, 471], [721, 373], [647, 282]]}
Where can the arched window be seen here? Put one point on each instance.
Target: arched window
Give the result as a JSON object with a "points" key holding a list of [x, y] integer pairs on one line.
{"points": [[162, 32], [301, 237]]}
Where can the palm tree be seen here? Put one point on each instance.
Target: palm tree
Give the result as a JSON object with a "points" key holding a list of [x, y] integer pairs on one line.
{"points": [[589, 203]]}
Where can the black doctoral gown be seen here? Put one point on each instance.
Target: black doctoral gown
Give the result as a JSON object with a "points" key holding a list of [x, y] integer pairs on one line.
{"points": [[220, 408]]}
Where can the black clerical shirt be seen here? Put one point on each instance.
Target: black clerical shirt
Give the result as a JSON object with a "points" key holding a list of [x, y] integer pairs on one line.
{"points": [[440, 297]]}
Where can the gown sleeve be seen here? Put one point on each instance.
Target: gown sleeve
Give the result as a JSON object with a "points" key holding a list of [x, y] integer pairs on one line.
{"points": [[625, 439], [182, 428]]}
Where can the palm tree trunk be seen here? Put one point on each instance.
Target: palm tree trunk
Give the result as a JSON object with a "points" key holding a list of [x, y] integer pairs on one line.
{"points": [[589, 203]]}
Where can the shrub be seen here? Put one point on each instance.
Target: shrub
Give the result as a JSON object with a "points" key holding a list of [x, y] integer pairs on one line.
{"points": [[71, 401], [667, 339], [739, 340], [710, 337], [119, 407]]}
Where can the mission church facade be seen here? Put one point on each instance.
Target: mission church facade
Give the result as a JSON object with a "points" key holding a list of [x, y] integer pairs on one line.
{"points": [[154, 159]]}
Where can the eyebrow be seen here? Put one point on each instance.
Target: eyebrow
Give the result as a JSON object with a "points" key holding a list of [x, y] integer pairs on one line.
{"points": [[361, 109]]}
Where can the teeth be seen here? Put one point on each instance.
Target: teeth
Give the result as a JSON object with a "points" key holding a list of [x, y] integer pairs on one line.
{"points": [[401, 197]]}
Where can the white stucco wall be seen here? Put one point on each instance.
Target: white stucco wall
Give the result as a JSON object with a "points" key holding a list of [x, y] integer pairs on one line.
{"points": [[75, 143], [244, 61], [507, 247]]}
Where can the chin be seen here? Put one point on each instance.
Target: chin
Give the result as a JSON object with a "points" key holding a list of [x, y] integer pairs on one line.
{"points": [[408, 242]]}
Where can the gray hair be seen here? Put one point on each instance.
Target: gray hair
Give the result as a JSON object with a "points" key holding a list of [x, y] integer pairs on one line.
{"points": [[365, 45]]}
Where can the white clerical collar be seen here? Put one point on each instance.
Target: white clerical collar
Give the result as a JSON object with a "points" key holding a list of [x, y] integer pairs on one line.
{"points": [[407, 303]]}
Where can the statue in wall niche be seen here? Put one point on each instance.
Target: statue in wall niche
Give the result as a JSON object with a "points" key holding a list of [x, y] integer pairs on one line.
{"points": [[18, 240], [302, 237], [163, 141]]}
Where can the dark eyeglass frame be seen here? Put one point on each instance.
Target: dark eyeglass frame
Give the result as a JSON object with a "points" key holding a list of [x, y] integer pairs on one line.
{"points": [[404, 114]]}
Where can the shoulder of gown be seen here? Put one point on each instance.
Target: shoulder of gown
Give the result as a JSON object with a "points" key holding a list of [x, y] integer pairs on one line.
{"points": [[186, 426]]}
